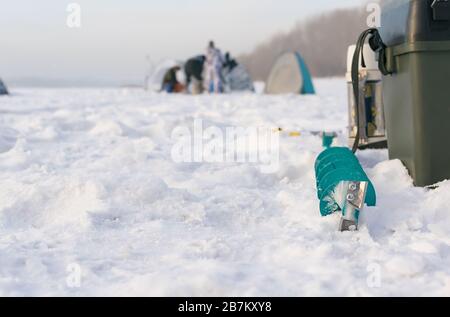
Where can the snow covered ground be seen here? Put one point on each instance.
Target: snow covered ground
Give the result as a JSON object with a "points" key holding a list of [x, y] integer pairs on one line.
{"points": [[87, 184]]}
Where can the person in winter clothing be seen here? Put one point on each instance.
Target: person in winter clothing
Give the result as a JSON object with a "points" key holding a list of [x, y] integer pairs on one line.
{"points": [[194, 73], [230, 63], [214, 65], [170, 82]]}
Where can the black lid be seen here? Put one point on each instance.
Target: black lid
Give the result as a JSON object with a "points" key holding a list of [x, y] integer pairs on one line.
{"points": [[410, 21]]}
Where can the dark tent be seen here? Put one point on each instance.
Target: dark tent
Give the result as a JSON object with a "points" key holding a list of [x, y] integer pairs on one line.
{"points": [[238, 79], [3, 89]]}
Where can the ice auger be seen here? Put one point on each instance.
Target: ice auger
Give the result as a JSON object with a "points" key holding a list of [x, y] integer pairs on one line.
{"points": [[343, 186]]}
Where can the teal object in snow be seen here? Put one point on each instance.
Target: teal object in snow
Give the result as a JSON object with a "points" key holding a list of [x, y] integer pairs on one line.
{"points": [[327, 139], [338, 166], [308, 86]]}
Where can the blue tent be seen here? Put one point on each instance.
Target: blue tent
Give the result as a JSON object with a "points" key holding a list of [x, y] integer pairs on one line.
{"points": [[290, 75]]}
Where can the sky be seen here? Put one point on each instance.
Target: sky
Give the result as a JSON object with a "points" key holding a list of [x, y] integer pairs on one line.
{"points": [[117, 38]]}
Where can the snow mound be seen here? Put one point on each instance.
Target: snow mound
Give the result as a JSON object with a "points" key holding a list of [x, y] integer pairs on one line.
{"points": [[8, 139], [107, 128], [60, 205], [87, 181]]}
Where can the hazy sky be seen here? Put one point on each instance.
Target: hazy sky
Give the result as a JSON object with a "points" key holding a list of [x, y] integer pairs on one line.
{"points": [[116, 35]]}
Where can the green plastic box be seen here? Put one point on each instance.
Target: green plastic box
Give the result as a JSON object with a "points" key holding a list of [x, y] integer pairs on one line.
{"points": [[417, 94]]}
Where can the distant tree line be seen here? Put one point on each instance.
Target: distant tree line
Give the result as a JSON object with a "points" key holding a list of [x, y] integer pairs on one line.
{"points": [[322, 41]]}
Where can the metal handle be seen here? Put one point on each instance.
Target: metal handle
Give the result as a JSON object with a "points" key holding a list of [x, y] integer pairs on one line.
{"points": [[441, 10]]}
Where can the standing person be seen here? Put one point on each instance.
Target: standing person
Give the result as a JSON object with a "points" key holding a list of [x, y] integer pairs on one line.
{"points": [[194, 74], [214, 64]]}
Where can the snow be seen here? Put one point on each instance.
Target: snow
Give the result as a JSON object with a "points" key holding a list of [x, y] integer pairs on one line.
{"points": [[87, 184]]}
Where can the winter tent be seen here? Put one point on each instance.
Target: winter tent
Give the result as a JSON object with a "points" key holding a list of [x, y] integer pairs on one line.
{"points": [[155, 79], [3, 89], [290, 75], [238, 79]]}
